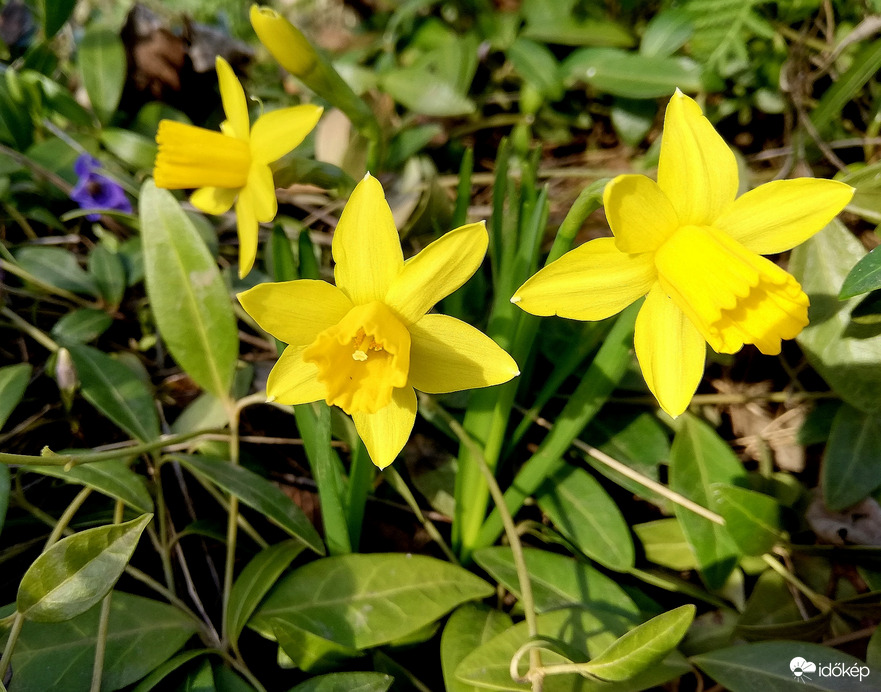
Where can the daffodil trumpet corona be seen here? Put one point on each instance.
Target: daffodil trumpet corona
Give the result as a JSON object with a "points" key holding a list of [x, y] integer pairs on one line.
{"points": [[366, 342], [231, 167], [694, 250]]}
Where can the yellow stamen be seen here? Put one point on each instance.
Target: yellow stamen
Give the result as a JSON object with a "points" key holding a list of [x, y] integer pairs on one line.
{"points": [[733, 296], [193, 157], [362, 358]]}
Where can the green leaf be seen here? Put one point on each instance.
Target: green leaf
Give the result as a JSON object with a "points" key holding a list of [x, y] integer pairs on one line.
{"points": [[4, 493], [13, 381], [368, 600], [350, 682], [116, 391], [752, 519], [631, 75], [864, 277], [306, 650], [664, 543], [137, 151], [577, 629], [109, 271], [102, 65], [559, 581], [57, 267], [643, 646], [699, 458], [57, 14], [865, 66], [255, 581], [81, 326], [772, 613], [536, 64], [583, 512], [141, 634], [845, 354], [78, 571], [112, 477], [569, 31], [666, 33], [422, 92], [171, 665], [256, 492], [188, 297], [766, 666], [470, 626], [850, 470]]}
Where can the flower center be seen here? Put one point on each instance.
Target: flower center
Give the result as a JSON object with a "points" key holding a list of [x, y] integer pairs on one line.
{"points": [[732, 295], [362, 358], [192, 157]]}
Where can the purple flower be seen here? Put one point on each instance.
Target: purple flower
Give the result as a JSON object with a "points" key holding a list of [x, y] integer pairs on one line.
{"points": [[95, 191]]}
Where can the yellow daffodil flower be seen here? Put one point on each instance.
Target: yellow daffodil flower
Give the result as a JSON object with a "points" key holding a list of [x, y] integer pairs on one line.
{"points": [[694, 251], [232, 166], [365, 343]]}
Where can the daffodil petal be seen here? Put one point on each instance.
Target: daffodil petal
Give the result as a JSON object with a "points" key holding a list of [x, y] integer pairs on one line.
{"points": [[591, 282], [214, 200], [276, 133], [779, 215], [670, 350], [246, 218], [639, 213], [366, 246], [438, 270], [295, 311], [261, 187], [233, 97], [385, 432], [697, 171], [293, 380], [447, 355]]}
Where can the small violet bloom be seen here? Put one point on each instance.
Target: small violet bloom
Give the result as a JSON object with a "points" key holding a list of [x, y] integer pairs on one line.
{"points": [[232, 166], [365, 343], [693, 248], [96, 191]]}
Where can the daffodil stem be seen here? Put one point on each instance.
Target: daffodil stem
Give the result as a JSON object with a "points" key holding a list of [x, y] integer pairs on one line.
{"points": [[526, 597], [232, 525], [361, 474]]}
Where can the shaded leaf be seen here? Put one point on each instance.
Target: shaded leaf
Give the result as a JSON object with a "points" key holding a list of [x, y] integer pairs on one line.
{"points": [[109, 271], [307, 650], [112, 477], [850, 470], [350, 682], [13, 381], [631, 75], [116, 391], [57, 267], [257, 492], [666, 33], [536, 64], [81, 326], [102, 65], [141, 634], [470, 626], [164, 670], [752, 519], [78, 571]]}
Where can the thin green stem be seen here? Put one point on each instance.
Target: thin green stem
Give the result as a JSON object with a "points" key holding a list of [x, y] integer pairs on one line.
{"points": [[361, 472], [526, 597], [16, 270], [244, 524], [232, 525], [29, 329], [49, 458], [821, 602], [163, 542], [17, 624], [103, 622]]}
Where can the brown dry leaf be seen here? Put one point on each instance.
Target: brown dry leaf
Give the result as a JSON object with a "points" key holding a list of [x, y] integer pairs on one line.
{"points": [[857, 525]]}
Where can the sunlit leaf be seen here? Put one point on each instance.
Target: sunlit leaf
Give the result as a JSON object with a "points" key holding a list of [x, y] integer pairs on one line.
{"points": [[470, 626]]}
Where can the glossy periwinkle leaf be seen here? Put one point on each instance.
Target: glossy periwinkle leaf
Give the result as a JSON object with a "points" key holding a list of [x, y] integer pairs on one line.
{"points": [[307, 650], [257, 492], [78, 571], [255, 581], [469, 627], [188, 296], [583, 512], [116, 391], [112, 477], [774, 666], [752, 519], [850, 470], [350, 682], [13, 381], [81, 326], [109, 271], [103, 66], [56, 267], [698, 458], [845, 353], [642, 646], [664, 543], [369, 599], [141, 634], [622, 73], [666, 33]]}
